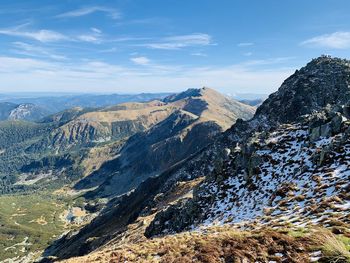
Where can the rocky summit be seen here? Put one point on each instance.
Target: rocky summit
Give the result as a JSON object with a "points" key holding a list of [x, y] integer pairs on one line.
{"points": [[323, 81], [274, 188]]}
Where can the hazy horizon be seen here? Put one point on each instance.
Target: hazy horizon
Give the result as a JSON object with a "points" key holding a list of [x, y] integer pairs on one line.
{"points": [[32, 95]]}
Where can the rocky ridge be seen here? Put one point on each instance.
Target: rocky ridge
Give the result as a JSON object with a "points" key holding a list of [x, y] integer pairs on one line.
{"points": [[280, 163], [86, 127], [193, 124]]}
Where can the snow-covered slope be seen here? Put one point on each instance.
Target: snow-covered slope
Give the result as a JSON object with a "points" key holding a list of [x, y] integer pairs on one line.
{"points": [[294, 177], [27, 111]]}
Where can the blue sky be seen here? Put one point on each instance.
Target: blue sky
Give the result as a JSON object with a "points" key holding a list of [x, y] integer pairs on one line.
{"points": [[133, 46]]}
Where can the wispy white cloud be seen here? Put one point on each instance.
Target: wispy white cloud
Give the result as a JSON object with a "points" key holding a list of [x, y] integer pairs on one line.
{"points": [[111, 12], [96, 30], [108, 50], [140, 60], [42, 35], [245, 44], [18, 66], [35, 51], [181, 41], [95, 36], [199, 54], [193, 39], [143, 21], [89, 38], [267, 62], [336, 40], [127, 38], [45, 36]]}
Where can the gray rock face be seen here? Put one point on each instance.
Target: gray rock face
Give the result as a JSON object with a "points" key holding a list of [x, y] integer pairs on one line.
{"points": [[323, 81]]}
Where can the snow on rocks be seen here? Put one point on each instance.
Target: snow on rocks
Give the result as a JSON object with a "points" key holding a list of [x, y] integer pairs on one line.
{"points": [[295, 181]]}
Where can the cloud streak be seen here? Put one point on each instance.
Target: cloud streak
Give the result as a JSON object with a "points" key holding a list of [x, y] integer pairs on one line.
{"points": [[336, 40], [94, 37], [140, 60], [42, 35], [111, 12], [35, 51], [46, 36], [199, 54], [245, 44], [181, 41]]}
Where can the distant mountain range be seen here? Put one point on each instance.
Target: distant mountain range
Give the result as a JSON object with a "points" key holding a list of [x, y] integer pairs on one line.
{"points": [[61, 102], [166, 129]]}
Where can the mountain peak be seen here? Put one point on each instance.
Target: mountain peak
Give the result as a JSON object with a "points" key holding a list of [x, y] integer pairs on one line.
{"points": [[327, 59], [324, 80], [189, 93]]}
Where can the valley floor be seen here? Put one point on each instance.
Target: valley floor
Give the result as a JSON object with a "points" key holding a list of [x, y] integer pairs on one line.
{"points": [[30, 222]]}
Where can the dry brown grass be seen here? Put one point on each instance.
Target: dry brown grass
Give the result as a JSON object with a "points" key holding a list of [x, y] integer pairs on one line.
{"points": [[216, 244], [333, 249]]}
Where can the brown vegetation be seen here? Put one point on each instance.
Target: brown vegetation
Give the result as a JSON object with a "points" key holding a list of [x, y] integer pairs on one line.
{"points": [[211, 245]]}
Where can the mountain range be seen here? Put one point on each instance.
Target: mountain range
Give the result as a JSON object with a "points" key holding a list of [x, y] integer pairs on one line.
{"points": [[59, 102], [82, 154], [284, 170], [189, 177]]}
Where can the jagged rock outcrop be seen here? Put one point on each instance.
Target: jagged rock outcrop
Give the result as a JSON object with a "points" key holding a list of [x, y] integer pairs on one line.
{"points": [[288, 173], [323, 81]]}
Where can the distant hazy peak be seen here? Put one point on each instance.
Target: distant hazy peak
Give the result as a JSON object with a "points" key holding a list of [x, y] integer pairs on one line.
{"points": [[190, 93]]}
